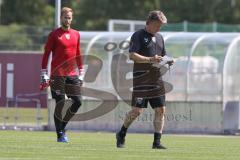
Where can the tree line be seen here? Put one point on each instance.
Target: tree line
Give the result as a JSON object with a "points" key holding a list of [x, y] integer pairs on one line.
{"points": [[25, 24], [94, 14]]}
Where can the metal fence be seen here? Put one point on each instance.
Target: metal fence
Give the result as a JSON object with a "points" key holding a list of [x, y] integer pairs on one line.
{"points": [[185, 26], [32, 38], [16, 116]]}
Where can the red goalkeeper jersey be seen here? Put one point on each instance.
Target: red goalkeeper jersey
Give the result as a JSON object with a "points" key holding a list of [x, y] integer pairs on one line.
{"points": [[66, 56]]}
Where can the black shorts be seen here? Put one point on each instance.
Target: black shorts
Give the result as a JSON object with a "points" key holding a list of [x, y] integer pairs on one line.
{"points": [[69, 85], [142, 102], [148, 86], [153, 93]]}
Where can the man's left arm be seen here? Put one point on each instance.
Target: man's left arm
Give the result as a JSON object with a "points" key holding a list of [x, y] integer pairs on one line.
{"points": [[79, 60], [169, 60]]}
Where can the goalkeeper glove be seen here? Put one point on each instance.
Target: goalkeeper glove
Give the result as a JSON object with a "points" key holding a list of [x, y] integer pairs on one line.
{"points": [[81, 75], [44, 79]]}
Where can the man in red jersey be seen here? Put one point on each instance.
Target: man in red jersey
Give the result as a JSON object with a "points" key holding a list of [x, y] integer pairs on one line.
{"points": [[66, 70]]}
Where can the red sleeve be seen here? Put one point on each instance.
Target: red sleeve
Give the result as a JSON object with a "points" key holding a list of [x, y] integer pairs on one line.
{"points": [[78, 54], [47, 50]]}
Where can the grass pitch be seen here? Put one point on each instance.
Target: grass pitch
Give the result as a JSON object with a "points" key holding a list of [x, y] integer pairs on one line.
{"points": [[24, 145]]}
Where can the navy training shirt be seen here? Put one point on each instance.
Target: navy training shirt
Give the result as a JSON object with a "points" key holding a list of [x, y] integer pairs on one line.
{"points": [[148, 45]]}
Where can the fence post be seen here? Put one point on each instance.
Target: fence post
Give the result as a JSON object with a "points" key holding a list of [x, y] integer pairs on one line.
{"points": [[185, 26], [214, 26]]}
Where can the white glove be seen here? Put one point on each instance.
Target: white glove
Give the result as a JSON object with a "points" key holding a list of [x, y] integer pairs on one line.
{"points": [[44, 79], [81, 75]]}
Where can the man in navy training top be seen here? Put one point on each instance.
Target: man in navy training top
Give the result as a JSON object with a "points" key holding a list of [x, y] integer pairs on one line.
{"points": [[147, 48]]}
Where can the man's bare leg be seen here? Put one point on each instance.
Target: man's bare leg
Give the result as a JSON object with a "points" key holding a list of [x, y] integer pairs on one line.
{"points": [[158, 124], [131, 116]]}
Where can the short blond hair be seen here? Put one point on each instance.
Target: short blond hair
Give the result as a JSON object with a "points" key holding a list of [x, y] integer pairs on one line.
{"points": [[66, 10], [156, 15]]}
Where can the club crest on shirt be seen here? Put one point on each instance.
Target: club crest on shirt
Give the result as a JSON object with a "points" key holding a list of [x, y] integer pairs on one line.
{"points": [[58, 92], [139, 100], [145, 40], [67, 36]]}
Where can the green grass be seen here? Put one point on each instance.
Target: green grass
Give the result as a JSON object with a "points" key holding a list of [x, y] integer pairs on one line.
{"points": [[15, 145]]}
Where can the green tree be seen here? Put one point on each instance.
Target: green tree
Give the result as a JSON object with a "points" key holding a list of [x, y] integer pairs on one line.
{"points": [[224, 11], [94, 14], [27, 12], [13, 37]]}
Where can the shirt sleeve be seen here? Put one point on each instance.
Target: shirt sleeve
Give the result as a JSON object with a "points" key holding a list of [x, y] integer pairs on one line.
{"points": [[135, 43], [78, 54], [161, 44], [164, 50], [47, 50]]}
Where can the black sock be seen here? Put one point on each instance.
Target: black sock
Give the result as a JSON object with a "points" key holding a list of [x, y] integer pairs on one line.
{"points": [[157, 138], [64, 125], [58, 125], [123, 131], [58, 114]]}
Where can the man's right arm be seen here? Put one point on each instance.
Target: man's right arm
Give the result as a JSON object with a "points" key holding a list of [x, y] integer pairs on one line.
{"points": [[44, 79], [47, 50], [143, 59], [135, 47]]}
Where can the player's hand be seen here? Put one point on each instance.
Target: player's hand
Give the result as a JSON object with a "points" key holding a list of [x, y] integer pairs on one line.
{"points": [[81, 76], [164, 60], [155, 59], [44, 79]]}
